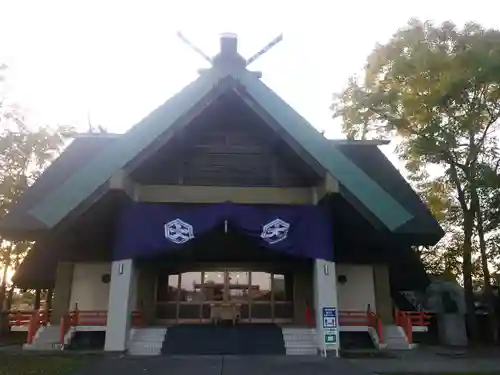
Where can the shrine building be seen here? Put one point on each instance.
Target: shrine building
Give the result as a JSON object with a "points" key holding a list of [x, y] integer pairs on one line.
{"points": [[223, 222]]}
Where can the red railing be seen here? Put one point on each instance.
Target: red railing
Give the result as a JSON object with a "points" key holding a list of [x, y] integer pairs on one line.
{"points": [[376, 323], [419, 318], [88, 317], [363, 319], [138, 319], [354, 318], [409, 319], [20, 318], [78, 317], [37, 319], [404, 321], [357, 318], [64, 328]]}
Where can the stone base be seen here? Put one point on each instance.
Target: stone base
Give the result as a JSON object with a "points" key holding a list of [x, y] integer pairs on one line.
{"points": [[452, 330]]}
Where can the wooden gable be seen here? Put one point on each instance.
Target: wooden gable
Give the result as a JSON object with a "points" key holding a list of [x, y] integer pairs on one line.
{"points": [[88, 184], [227, 145]]}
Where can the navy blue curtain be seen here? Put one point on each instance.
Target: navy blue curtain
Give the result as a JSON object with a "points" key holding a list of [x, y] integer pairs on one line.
{"points": [[148, 229]]}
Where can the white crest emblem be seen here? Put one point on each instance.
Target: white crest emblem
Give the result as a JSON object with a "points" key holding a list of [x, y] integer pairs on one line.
{"points": [[275, 231], [178, 231]]}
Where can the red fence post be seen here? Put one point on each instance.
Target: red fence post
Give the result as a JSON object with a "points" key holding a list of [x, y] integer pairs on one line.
{"points": [[64, 327], [33, 325], [309, 316], [409, 333], [29, 338], [19, 316], [380, 330], [76, 317]]}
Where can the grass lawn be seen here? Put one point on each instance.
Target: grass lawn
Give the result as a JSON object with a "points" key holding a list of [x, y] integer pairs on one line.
{"points": [[36, 364]]}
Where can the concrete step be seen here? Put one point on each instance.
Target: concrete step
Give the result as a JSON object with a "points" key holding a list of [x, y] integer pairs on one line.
{"points": [[144, 351], [43, 346], [300, 341], [299, 337], [146, 341], [148, 337], [301, 344], [145, 344], [395, 338], [299, 330], [396, 345], [302, 351], [46, 338], [149, 333]]}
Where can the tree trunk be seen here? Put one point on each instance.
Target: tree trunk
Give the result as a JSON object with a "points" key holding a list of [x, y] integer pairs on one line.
{"points": [[488, 290], [3, 286], [48, 302], [468, 227], [38, 293], [10, 296]]}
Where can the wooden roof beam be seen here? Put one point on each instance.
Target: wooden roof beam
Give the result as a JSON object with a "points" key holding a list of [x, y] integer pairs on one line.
{"points": [[122, 181]]}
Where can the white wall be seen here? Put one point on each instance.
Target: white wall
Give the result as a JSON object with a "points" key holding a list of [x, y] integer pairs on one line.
{"points": [[359, 290], [87, 288]]}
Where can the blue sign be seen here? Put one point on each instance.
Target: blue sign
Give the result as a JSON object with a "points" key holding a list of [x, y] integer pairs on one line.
{"points": [[329, 317]]}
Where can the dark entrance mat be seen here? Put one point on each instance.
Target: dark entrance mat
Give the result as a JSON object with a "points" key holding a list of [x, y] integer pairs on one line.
{"points": [[240, 339]]}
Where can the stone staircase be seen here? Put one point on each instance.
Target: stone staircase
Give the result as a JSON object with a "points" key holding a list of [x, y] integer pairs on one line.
{"points": [[300, 341], [146, 341], [395, 338], [375, 339], [46, 338]]}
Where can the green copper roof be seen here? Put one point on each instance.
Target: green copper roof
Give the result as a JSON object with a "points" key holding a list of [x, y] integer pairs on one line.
{"points": [[372, 195], [94, 174]]}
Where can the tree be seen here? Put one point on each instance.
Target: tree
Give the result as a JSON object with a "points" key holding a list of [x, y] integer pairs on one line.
{"points": [[438, 89], [24, 154]]}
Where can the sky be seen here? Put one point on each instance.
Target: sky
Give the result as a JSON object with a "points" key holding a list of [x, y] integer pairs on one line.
{"points": [[119, 60]]}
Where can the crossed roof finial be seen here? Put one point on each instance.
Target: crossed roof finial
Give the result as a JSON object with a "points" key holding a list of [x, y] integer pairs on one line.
{"points": [[228, 56]]}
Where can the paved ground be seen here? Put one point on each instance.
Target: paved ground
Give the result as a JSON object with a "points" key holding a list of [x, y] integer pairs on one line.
{"points": [[418, 361], [226, 365], [428, 360]]}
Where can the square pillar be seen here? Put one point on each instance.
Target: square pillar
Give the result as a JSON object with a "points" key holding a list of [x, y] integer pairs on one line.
{"points": [[62, 291], [146, 280], [325, 303], [120, 305], [383, 298], [302, 293]]}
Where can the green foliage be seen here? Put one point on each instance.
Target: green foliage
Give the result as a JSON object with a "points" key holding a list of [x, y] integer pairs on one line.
{"points": [[49, 364], [24, 154], [434, 86], [437, 88]]}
